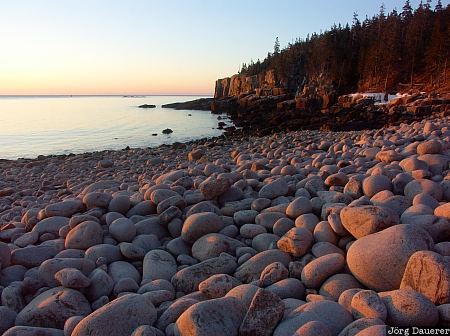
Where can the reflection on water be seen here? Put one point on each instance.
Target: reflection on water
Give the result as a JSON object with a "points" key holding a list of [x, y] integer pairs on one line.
{"points": [[30, 126]]}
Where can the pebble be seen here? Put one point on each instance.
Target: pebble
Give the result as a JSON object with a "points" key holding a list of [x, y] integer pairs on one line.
{"points": [[200, 224], [228, 310]]}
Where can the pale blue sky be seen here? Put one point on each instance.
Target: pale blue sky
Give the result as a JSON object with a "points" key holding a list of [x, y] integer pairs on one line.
{"points": [[151, 46]]}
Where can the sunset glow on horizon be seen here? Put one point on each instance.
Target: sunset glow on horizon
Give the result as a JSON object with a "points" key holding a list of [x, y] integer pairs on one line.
{"points": [[148, 47]]}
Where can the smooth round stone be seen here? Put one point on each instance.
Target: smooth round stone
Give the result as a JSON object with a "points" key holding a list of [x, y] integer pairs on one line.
{"points": [[53, 307], [444, 314], [159, 195], [268, 219], [443, 248], [416, 187], [8, 318], [336, 284], [125, 285], [218, 285], [364, 220], [260, 204], [147, 331], [443, 211], [32, 256], [320, 269], [429, 147], [120, 204], [131, 251], [119, 317], [70, 324], [324, 233], [272, 190], [282, 226], [299, 206], [122, 230], [376, 183], [101, 284], [335, 222], [252, 268], [367, 304], [33, 331], [214, 187], [320, 249], [64, 209], [406, 307], [200, 224], [213, 244], [296, 242], [251, 230], [379, 260], [72, 278], [158, 264], [228, 310], [109, 253], [171, 314], [307, 221], [265, 241], [12, 297], [187, 279], [151, 225], [313, 328], [143, 208], [48, 268], [96, 200], [400, 181], [121, 269], [330, 313], [337, 179], [345, 299], [425, 199], [288, 288], [50, 225], [359, 326], [84, 235], [204, 206], [244, 217]]}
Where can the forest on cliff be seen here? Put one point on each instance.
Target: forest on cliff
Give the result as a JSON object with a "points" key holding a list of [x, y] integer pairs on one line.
{"points": [[390, 51]]}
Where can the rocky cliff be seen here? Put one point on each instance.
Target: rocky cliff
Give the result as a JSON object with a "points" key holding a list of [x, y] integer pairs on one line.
{"points": [[263, 84]]}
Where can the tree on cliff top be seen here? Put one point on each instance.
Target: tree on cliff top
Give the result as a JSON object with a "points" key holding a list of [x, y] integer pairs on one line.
{"points": [[276, 47]]}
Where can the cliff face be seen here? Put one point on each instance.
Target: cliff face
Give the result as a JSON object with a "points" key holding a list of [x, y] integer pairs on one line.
{"points": [[263, 84]]}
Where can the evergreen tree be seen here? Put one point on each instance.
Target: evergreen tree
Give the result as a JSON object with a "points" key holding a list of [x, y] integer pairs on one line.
{"points": [[407, 10], [276, 47]]}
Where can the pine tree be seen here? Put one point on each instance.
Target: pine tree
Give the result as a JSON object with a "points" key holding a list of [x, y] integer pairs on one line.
{"points": [[407, 10], [276, 47], [438, 6]]}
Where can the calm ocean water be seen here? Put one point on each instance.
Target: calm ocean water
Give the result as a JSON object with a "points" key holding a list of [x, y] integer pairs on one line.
{"points": [[30, 126]]}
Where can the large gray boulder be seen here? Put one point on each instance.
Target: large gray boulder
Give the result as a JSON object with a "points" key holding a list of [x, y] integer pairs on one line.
{"points": [[379, 260]]}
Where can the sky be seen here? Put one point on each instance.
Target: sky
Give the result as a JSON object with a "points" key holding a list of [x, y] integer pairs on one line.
{"points": [[151, 46]]}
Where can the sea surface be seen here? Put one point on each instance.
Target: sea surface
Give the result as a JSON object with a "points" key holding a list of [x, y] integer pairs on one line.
{"points": [[44, 125]]}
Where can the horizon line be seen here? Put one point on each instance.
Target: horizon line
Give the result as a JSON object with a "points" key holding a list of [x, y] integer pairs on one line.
{"points": [[105, 95]]}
